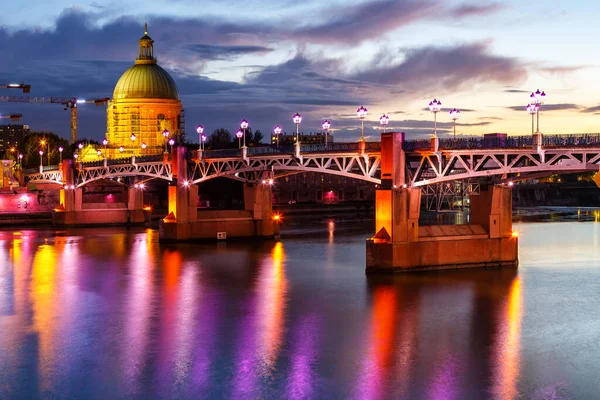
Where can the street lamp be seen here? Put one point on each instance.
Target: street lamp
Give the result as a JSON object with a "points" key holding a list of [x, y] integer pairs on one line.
{"points": [[384, 120], [239, 135], [244, 126], [532, 110], [99, 152], [105, 143], [277, 132], [43, 142], [297, 118], [166, 135], [202, 140], [538, 98], [326, 125], [41, 154], [434, 107], [362, 114], [144, 147], [199, 130], [121, 149], [60, 150], [454, 115], [132, 137], [171, 143], [21, 160]]}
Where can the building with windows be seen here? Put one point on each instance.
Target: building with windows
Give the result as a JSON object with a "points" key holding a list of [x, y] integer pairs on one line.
{"points": [[310, 138], [315, 187], [145, 103], [12, 135]]}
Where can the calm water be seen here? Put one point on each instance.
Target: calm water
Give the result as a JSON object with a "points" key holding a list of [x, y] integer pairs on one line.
{"points": [[110, 313]]}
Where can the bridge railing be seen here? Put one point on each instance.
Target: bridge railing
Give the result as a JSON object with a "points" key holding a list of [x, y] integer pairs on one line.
{"points": [[304, 149]]}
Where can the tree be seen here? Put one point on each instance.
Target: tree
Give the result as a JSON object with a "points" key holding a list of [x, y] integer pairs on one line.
{"points": [[220, 139], [258, 137], [32, 144]]}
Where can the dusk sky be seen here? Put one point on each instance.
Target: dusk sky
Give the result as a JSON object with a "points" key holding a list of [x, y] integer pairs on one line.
{"points": [[265, 60]]}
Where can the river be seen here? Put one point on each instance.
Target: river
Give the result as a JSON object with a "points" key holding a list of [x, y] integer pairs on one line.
{"points": [[110, 313]]}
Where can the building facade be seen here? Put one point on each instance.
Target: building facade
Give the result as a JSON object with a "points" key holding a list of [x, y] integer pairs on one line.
{"points": [[12, 135], [145, 103], [314, 187]]}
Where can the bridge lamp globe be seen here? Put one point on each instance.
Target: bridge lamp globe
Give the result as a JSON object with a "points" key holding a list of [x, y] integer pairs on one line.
{"points": [[75, 156], [41, 154], [171, 143], [60, 150], [199, 131], [239, 135], [202, 140], [121, 149], [99, 153], [326, 125], [277, 132], [297, 118], [435, 106], [362, 112], [80, 146], [384, 120], [21, 159]]}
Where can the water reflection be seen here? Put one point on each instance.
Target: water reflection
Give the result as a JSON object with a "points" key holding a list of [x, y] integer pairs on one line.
{"points": [[88, 316]]}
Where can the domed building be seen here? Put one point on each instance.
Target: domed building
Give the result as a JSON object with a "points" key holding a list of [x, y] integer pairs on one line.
{"points": [[145, 103]]}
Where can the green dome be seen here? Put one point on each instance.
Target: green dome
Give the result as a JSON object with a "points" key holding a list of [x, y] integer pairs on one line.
{"points": [[146, 81]]}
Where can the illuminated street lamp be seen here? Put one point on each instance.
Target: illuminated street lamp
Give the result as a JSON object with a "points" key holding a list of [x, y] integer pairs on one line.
{"points": [[99, 152], [144, 147], [362, 114], [171, 143], [239, 135], [132, 137], [537, 98], [166, 135], [326, 125], [384, 120], [297, 118], [41, 154], [121, 149], [21, 160], [60, 150], [532, 110], [244, 126], [105, 143], [43, 142], [202, 140], [454, 115], [199, 131], [434, 107], [277, 132]]}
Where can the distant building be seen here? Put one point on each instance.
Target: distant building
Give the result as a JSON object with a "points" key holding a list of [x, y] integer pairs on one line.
{"points": [[315, 187], [310, 138], [12, 135]]}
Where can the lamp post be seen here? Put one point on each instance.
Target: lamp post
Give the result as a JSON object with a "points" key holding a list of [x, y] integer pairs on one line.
{"points": [[434, 107], [199, 131], [21, 160], [202, 140], [60, 150], [454, 115], [171, 143], [43, 142], [277, 132], [41, 165], [244, 126], [384, 120], [166, 135], [99, 152], [362, 114], [132, 137], [537, 98], [326, 125], [239, 135], [105, 143], [144, 148], [297, 118], [121, 149], [532, 110]]}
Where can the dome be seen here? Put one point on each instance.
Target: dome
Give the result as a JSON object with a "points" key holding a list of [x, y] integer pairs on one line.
{"points": [[146, 81]]}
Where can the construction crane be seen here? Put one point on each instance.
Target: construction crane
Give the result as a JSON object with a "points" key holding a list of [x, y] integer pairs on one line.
{"points": [[26, 88], [69, 103]]}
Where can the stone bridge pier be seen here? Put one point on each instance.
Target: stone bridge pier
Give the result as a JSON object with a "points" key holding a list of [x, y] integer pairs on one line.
{"points": [[185, 222], [401, 245], [72, 211]]}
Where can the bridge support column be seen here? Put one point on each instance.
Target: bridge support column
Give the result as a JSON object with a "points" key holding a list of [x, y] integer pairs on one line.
{"points": [[258, 199], [135, 205], [401, 245]]}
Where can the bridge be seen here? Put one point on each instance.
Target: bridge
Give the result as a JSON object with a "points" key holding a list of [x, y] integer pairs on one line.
{"points": [[403, 170]]}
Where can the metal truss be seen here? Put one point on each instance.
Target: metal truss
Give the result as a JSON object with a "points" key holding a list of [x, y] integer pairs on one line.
{"points": [[428, 168], [449, 196], [352, 165], [54, 176], [152, 170]]}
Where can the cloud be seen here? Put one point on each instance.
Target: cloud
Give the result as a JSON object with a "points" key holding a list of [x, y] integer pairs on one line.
{"points": [[448, 67], [469, 10], [562, 70], [594, 109], [516, 91], [549, 107], [217, 52]]}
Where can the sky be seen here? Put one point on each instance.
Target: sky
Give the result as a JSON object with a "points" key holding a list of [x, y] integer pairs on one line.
{"points": [[266, 60]]}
